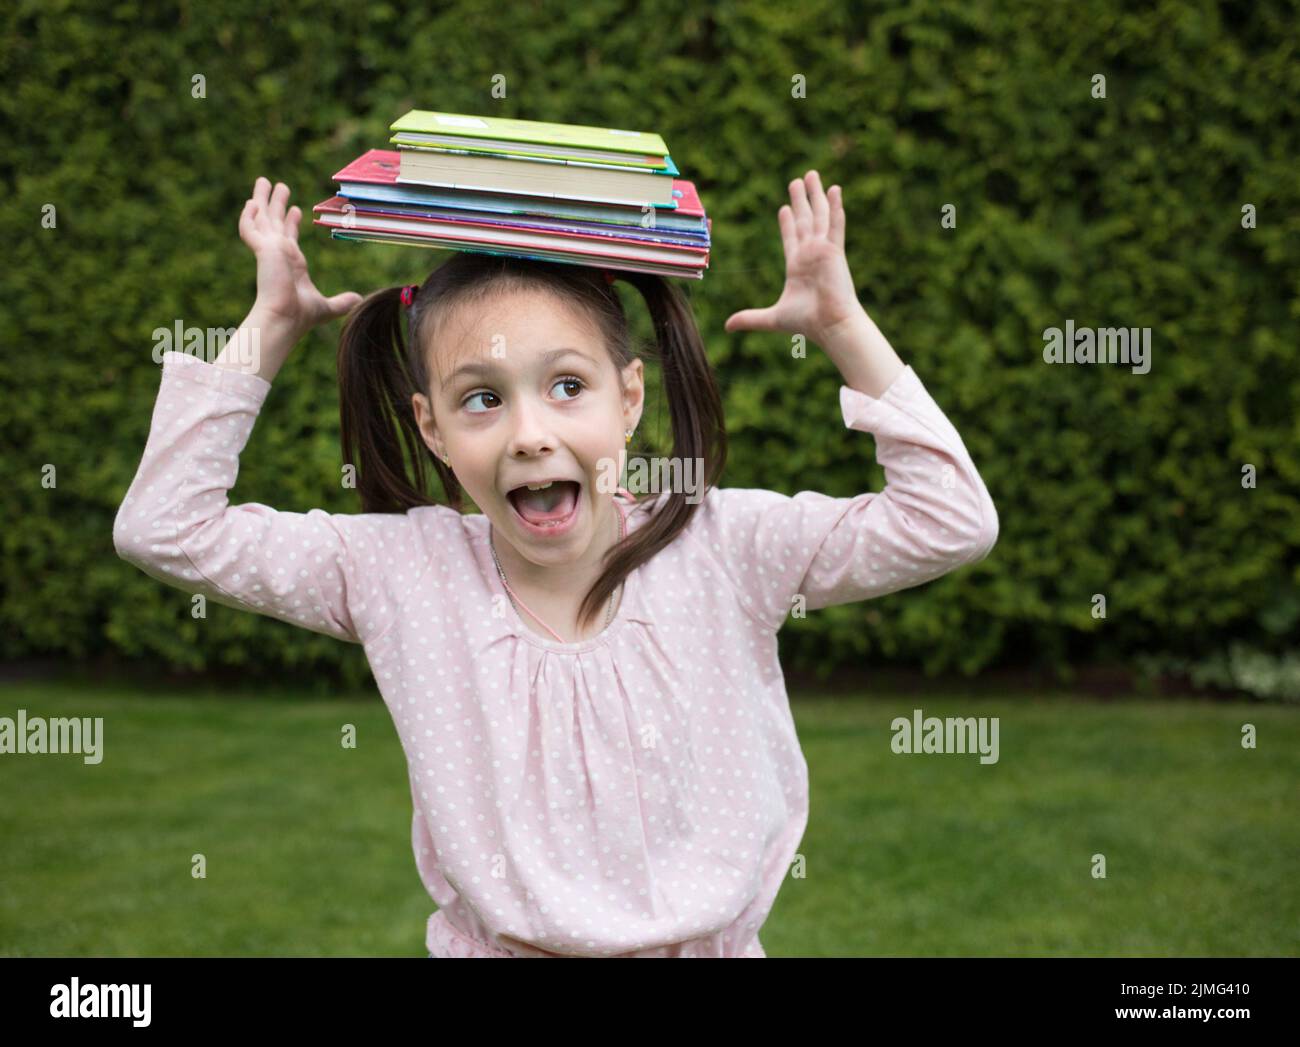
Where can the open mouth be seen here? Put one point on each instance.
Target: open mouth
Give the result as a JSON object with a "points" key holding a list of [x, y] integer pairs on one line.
{"points": [[546, 505]]}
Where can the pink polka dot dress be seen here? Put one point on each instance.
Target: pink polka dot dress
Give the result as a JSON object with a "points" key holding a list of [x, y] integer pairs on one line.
{"points": [[638, 793]]}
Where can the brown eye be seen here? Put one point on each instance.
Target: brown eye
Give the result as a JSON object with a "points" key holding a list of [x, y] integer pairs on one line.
{"points": [[571, 381], [465, 402]]}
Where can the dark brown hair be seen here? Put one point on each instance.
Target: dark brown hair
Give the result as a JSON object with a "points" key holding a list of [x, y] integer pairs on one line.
{"points": [[384, 359]]}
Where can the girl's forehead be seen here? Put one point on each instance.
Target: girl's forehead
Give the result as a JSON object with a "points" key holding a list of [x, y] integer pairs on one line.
{"points": [[508, 330], [520, 311]]}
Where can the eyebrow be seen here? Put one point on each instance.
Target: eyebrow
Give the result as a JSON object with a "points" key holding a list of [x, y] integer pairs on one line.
{"points": [[472, 369]]}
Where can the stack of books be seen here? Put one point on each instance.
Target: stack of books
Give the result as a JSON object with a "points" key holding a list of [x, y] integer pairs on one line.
{"points": [[557, 192]]}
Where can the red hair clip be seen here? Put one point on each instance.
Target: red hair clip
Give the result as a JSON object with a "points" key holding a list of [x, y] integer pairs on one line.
{"points": [[610, 275], [408, 294]]}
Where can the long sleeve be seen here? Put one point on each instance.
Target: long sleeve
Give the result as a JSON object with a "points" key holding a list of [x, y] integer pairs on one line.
{"points": [[342, 575], [933, 515]]}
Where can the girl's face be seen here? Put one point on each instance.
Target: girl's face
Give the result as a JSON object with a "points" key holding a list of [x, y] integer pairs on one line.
{"points": [[524, 392]]}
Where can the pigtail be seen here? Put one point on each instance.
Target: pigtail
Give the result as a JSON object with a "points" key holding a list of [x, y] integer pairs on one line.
{"points": [[698, 424], [377, 425]]}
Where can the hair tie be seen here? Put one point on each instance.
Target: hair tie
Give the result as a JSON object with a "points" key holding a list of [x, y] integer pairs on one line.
{"points": [[408, 294]]}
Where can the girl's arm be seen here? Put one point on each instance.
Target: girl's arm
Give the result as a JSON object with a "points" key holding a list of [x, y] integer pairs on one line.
{"points": [[342, 575], [935, 513]]}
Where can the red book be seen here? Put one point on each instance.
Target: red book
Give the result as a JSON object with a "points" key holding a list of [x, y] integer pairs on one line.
{"points": [[380, 167], [339, 213]]}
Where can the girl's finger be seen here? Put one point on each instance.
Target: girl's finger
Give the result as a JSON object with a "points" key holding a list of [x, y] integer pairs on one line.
{"points": [[279, 197], [836, 202], [799, 205], [752, 320], [789, 235], [260, 200], [344, 303], [817, 201], [295, 215], [248, 221]]}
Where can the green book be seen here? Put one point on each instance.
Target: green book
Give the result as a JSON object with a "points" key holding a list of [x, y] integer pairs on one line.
{"points": [[505, 135]]}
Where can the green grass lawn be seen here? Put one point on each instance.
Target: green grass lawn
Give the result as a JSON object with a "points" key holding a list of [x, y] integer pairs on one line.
{"points": [[308, 844]]}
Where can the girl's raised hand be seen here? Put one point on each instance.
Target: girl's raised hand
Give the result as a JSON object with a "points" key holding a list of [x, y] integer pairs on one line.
{"points": [[285, 292], [819, 291]]}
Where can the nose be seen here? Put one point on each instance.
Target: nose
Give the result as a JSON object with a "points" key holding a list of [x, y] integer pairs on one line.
{"points": [[531, 434]]}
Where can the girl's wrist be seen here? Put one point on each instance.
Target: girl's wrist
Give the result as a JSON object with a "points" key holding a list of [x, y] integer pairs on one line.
{"points": [[850, 330], [863, 355], [261, 344], [275, 326]]}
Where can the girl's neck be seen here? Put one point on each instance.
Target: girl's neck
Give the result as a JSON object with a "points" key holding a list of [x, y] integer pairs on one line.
{"points": [[570, 579]]}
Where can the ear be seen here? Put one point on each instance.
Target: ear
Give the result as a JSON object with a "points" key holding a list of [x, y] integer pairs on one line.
{"points": [[424, 421], [633, 376]]}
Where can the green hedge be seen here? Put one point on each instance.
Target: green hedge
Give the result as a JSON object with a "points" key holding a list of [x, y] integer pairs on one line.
{"points": [[1122, 211]]}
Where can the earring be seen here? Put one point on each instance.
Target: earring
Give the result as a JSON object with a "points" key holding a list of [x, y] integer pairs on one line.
{"points": [[627, 433]]}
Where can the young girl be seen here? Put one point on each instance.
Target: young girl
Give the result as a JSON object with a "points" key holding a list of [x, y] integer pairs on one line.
{"points": [[600, 748]]}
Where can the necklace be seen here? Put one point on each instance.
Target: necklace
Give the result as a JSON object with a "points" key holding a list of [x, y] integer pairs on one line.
{"points": [[609, 607]]}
